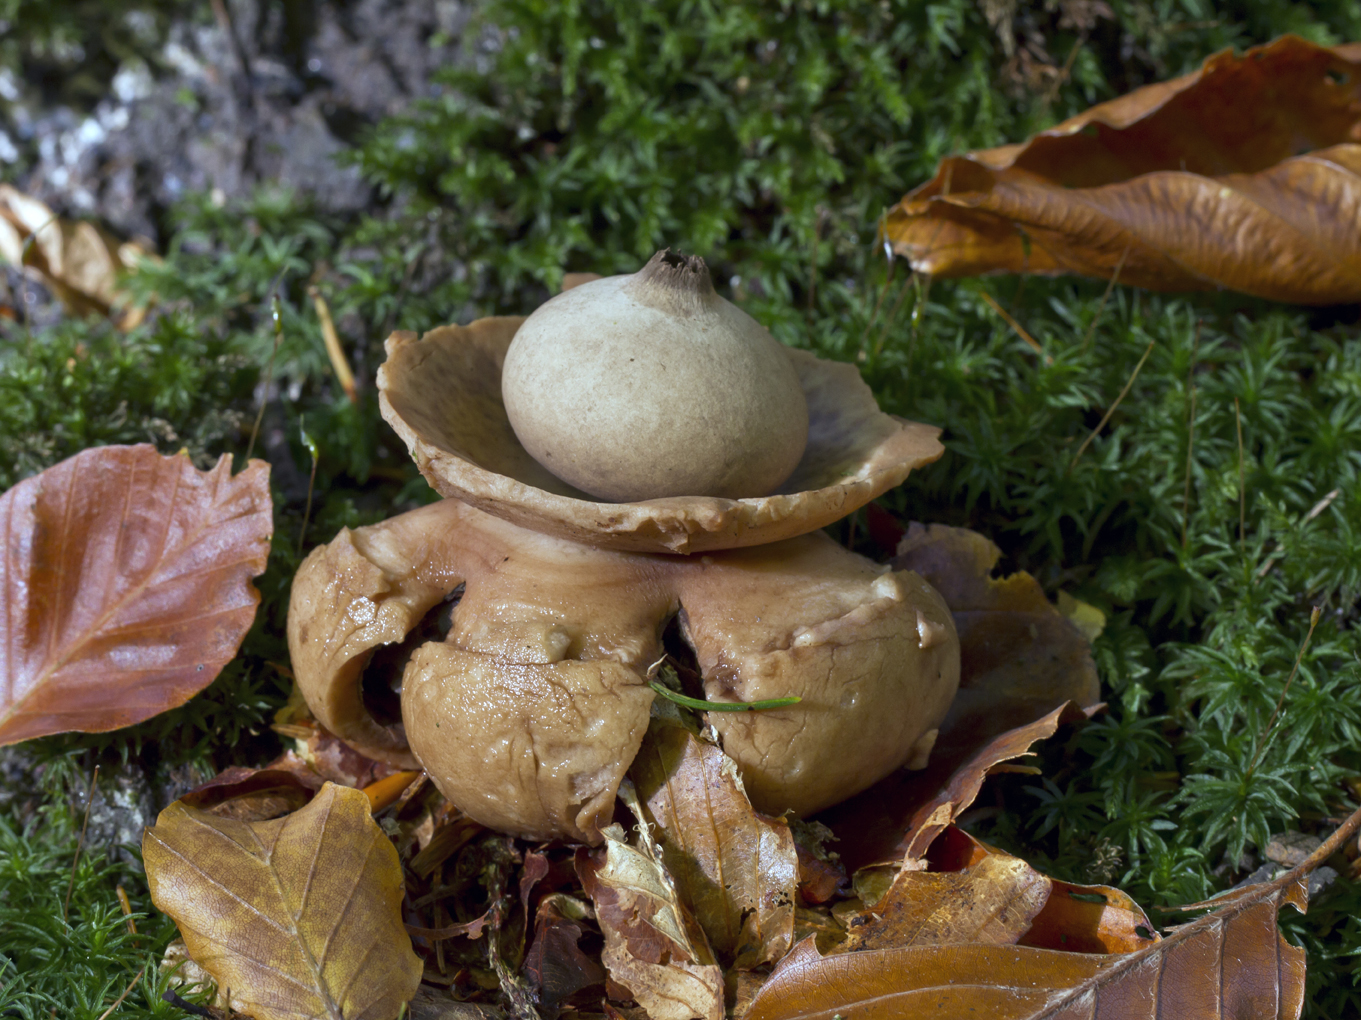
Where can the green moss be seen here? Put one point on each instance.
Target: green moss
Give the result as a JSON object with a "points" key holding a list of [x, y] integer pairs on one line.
{"points": [[769, 138]]}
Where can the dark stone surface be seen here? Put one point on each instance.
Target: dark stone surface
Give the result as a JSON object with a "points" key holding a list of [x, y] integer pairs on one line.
{"points": [[267, 94]]}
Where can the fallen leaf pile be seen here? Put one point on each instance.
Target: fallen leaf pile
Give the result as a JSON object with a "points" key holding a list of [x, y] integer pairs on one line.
{"points": [[696, 905], [330, 885], [1230, 962], [1245, 175]]}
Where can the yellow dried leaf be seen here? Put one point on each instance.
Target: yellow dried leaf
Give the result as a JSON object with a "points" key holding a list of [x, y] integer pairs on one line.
{"points": [[992, 902], [76, 260], [299, 916], [1086, 618]]}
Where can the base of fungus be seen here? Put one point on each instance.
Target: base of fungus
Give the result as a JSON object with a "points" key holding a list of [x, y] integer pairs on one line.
{"points": [[514, 731]]}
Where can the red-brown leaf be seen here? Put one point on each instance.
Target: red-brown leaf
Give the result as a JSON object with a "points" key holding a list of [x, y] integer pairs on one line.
{"points": [[1245, 175], [818, 879], [1025, 669], [126, 586], [555, 965]]}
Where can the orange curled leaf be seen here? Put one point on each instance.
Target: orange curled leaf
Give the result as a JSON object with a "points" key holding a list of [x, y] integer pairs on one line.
{"points": [[126, 586], [385, 791], [1245, 175], [1075, 918]]}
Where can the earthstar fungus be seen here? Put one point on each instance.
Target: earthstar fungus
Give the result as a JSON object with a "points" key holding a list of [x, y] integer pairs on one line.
{"points": [[528, 712]]}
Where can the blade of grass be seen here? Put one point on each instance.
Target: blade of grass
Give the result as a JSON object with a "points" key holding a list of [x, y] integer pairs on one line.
{"points": [[893, 314], [311, 445], [721, 706]]}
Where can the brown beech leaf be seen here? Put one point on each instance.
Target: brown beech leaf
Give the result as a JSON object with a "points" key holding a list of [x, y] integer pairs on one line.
{"points": [[1233, 962], [1025, 669], [738, 870], [994, 901], [126, 586], [555, 965], [653, 947], [1245, 175], [298, 916]]}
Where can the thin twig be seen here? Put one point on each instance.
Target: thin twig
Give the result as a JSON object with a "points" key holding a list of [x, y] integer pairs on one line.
{"points": [[1052, 92], [189, 1007], [1242, 489], [893, 314], [80, 843], [1006, 317], [126, 992], [340, 365], [1101, 308], [1271, 723], [277, 310], [1111, 410], [1186, 490]]}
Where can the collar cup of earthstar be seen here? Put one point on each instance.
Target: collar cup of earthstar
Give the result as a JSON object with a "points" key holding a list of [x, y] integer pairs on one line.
{"points": [[442, 394]]}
